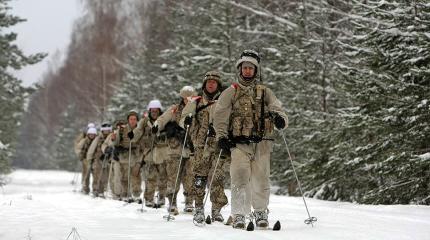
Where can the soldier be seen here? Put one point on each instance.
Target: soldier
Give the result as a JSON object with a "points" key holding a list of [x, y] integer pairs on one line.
{"points": [[108, 149], [80, 138], [127, 150], [198, 113], [86, 164], [99, 161], [169, 121], [155, 153], [244, 119]]}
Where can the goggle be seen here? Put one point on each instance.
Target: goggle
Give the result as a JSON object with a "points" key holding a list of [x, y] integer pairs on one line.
{"points": [[212, 76], [250, 53]]}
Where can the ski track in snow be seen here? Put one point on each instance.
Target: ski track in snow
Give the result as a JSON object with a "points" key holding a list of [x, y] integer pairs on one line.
{"points": [[42, 205]]}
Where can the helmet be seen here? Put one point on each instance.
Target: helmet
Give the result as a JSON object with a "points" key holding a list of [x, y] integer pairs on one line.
{"points": [[212, 75], [133, 113], [92, 131], [155, 104], [187, 91], [106, 127], [249, 56]]}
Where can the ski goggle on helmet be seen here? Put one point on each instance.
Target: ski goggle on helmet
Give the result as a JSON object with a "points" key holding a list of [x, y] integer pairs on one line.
{"points": [[250, 53]]}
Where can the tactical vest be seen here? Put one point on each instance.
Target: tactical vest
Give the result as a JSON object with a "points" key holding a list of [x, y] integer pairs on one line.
{"points": [[250, 120], [124, 140], [178, 112], [175, 142], [98, 154], [201, 123], [85, 147], [146, 141]]}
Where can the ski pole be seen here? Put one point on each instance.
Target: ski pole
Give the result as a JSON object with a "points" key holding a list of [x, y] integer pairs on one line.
{"points": [[169, 217], [129, 173], [141, 165], [102, 173], [309, 220], [212, 179], [109, 177]]}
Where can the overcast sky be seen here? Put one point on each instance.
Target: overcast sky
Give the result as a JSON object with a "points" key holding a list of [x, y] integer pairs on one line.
{"points": [[47, 29]]}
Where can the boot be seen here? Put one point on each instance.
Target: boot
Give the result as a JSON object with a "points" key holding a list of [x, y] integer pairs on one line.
{"points": [[189, 208], [149, 203], [189, 204], [173, 210], [199, 216], [216, 216], [238, 221], [261, 219], [161, 201]]}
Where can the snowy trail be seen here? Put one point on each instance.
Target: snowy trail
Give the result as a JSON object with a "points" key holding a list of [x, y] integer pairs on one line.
{"points": [[41, 205]]}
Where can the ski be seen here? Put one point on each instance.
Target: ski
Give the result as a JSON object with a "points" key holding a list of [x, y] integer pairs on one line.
{"points": [[276, 227], [251, 227]]}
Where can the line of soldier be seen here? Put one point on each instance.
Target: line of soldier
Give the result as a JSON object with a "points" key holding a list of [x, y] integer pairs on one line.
{"points": [[191, 143]]}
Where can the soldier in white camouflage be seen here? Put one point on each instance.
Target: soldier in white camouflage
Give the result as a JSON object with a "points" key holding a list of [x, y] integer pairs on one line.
{"points": [[199, 114], [245, 117]]}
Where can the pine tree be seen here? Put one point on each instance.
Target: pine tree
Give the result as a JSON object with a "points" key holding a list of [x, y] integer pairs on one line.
{"points": [[12, 93], [65, 157], [386, 134]]}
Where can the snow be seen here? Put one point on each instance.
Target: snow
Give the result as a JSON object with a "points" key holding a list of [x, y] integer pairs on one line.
{"points": [[42, 205], [425, 156], [2, 146]]}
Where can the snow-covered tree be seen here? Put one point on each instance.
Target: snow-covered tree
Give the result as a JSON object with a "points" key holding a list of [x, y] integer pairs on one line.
{"points": [[384, 138], [12, 93]]}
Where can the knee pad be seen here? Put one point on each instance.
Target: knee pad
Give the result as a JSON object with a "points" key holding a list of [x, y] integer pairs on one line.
{"points": [[200, 181]]}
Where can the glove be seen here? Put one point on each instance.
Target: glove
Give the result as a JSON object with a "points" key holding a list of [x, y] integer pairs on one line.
{"points": [[225, 144], [188, 120], [115, 154], [154, 129], [130, 135], [278, 121], [211, 131], [108, 150]]}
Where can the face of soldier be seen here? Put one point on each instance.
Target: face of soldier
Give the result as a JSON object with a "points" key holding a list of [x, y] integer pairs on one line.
{"points": [[154, 113], [248, 71], [185, 100], [132, 121], [105, 133], [211, 86]]}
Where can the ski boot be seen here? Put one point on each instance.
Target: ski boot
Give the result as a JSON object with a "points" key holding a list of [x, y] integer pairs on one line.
{"points": [[189, 208], [216, 216], [173, 210], [199, 216], [239, 221], [261, 219], [101, 195], [161, 201], [149, 203]]}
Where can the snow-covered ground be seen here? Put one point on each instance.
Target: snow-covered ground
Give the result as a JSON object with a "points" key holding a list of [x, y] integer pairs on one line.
{"points": [[42, 205]]}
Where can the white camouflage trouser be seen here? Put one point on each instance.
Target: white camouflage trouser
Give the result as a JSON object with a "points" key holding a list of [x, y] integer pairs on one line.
{"points": [[250, 177]]}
